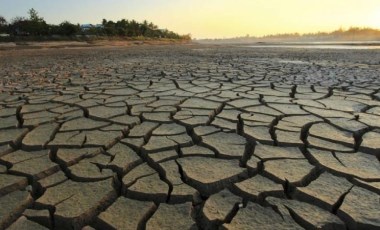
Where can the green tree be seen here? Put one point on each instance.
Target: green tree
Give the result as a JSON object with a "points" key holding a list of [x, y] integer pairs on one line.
{"points": [[68, 29], [134, 29], [36, 24], [19, 26], [109, 28], [104, 22], [3, 25], [121, 27], [3, 21], [153, 26], [144, 27], [186, 37], [33, 16]]}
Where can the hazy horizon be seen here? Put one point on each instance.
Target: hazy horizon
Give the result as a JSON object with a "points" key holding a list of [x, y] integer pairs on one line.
{"points": [[211, 19]]}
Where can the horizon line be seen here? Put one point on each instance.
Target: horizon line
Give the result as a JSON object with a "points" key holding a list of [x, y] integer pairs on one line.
{"points": [[292, 33]]}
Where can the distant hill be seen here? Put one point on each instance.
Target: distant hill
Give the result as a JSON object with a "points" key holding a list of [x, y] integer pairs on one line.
{"points": [[352, 34]]}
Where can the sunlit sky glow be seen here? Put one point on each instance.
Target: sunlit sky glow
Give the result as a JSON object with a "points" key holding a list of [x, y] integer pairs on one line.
{"points": [[210, 18]]}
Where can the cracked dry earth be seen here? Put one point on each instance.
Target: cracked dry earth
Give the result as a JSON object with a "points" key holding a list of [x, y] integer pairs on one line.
{"points": [[189, 137]]}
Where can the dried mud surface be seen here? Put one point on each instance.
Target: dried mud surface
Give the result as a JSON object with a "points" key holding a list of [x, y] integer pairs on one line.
{"points": [[189, 137]]}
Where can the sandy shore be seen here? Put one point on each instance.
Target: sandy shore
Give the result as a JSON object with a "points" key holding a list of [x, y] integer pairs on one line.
{"points": [[84, 44], [189, 137]]}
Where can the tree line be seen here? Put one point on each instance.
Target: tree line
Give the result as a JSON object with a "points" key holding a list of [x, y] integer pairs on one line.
{"points": [[36, 26], [350, 34], [344, 35]]}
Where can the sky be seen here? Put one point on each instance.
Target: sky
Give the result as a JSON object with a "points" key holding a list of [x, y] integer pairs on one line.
{"points": [[210, 18]]}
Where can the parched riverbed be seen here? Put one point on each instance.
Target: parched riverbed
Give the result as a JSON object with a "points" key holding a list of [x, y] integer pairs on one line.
{"points": [[189, 136]]}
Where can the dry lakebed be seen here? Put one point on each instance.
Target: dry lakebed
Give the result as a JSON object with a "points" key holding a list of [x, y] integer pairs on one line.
{"points": [[189, 137]]}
